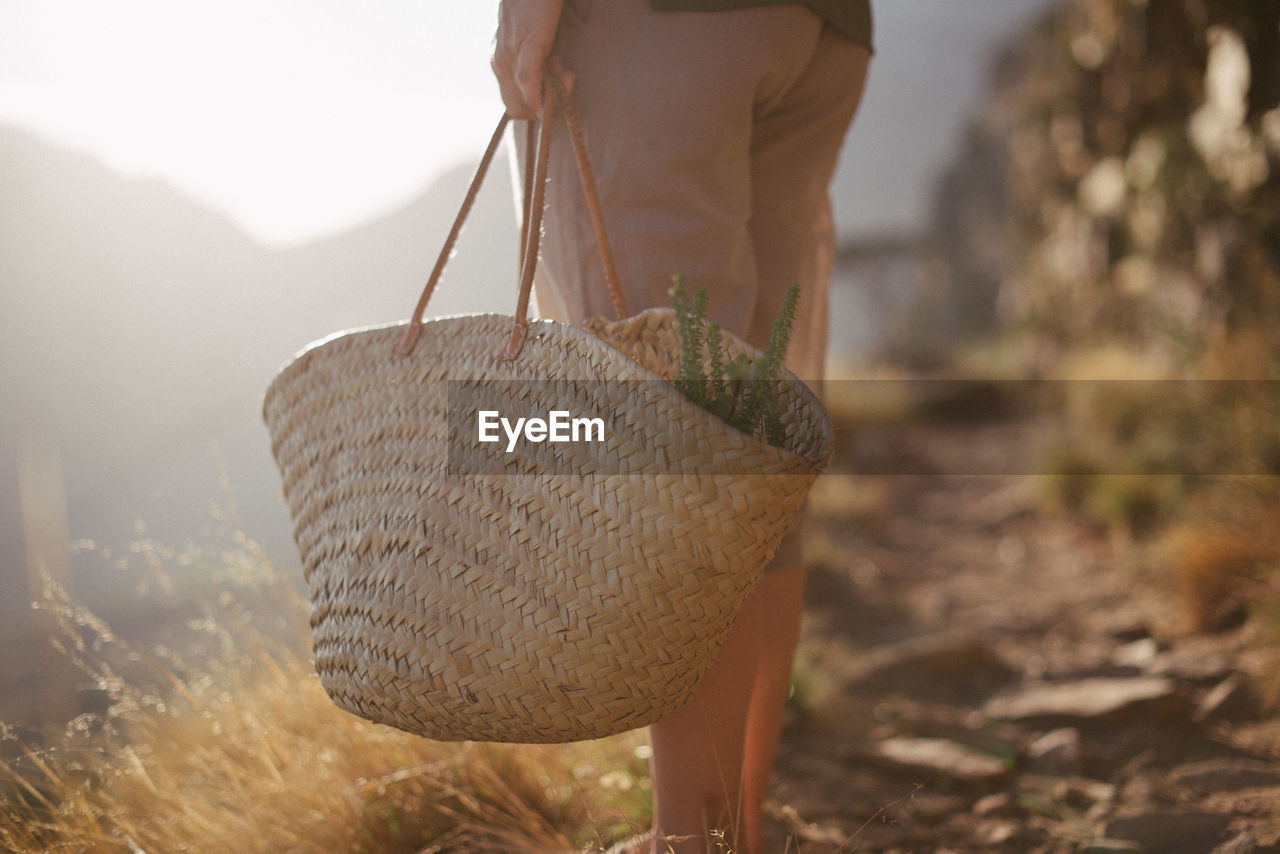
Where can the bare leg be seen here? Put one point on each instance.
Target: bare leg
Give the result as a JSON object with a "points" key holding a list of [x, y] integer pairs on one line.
{"points": [[698, 750], [783, 590], [712, 759]]}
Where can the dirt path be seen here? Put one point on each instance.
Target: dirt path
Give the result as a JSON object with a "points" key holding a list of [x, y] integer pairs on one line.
{"points": [[982, 675]]}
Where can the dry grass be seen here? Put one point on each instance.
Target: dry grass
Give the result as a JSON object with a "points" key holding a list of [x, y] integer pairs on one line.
{"points": [[1224, 552], [1215, 569], [241, 750]]}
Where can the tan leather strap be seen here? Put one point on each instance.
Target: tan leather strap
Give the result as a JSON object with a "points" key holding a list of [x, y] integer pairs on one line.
{"points": [[532, 231], [411, 333], [556, 99], [530, 148], [588, 180]]}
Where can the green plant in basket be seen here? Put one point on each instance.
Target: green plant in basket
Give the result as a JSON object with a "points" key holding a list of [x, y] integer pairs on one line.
{"points": [[741, 392]]}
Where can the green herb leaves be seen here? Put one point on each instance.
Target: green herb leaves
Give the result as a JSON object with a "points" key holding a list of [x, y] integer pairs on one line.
{"points": [[742, 392]]}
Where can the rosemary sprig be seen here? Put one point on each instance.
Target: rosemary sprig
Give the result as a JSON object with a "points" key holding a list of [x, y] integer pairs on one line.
{"points": [[740, 392]]}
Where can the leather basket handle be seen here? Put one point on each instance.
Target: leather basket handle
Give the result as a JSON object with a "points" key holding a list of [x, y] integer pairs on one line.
{"points": [[557, 101]]}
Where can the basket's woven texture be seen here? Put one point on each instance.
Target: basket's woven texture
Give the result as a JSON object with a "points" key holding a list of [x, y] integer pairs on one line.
{"points": [[538, 607]]}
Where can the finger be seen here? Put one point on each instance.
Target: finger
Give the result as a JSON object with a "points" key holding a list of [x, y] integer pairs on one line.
{"points": [[512, 95], [528, 78], [556, 68]]}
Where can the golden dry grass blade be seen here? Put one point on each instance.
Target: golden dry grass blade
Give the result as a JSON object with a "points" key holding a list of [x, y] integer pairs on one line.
{"points": [[243, 751]]}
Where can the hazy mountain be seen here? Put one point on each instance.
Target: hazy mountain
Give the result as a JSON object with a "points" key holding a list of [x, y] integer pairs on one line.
{"points": [[138, 332]]}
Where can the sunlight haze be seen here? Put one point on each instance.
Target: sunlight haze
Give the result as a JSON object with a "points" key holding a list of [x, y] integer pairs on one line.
{"points": [[302, 119], [259, 110]]}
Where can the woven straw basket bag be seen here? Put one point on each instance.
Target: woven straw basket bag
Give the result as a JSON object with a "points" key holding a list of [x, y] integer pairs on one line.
{"points": [[572, 596]]}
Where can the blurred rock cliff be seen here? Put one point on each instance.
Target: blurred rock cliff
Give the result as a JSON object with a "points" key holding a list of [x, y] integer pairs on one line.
{"points": [[1119, 192]]}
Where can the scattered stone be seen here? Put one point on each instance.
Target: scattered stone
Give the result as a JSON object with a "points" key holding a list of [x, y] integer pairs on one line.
{"points": [[1230, 698], [1225, 775], [1056, 752], [820, 834], [999, 805], [1110, 846], [1041, 796], [1086, 699], [955, 664], [1241, 844], [1191, 665], [999, 507], [1137, 654], [1266, 837], [1083, 793], [934, 809], [1099, 812], [997, 833], [1140, 788], [940, 756], [1137, 763], [1171, 831]]}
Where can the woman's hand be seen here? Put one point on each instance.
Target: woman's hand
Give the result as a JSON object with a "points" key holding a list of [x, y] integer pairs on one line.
{"points": [[526, 33]]}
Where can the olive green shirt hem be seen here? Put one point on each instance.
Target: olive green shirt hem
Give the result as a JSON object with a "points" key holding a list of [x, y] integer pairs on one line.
{"points": [[850, 17]]}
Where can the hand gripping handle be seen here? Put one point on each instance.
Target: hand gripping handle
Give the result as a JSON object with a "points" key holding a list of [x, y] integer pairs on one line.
{"points": [[556, 100]]}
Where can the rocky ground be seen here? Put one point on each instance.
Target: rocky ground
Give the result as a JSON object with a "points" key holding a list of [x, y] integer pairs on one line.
{"points": [[982, 674]]}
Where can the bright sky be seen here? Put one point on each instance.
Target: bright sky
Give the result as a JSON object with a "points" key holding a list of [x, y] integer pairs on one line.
{"points": [[304, 117], [259, 109]]}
